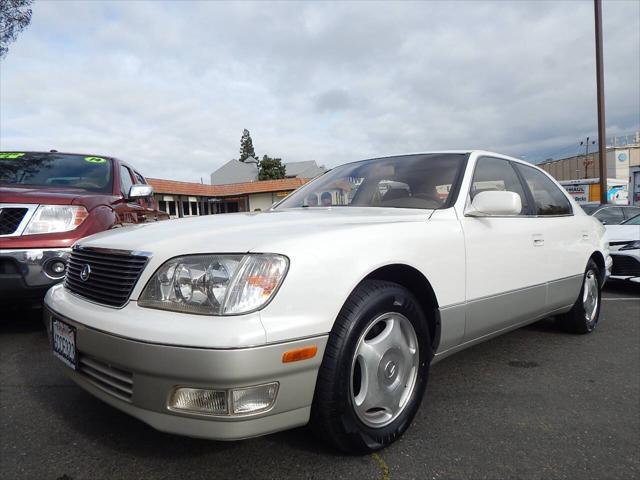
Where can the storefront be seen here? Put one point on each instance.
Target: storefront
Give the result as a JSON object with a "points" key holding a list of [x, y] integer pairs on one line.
{"points": [[185, 199]]}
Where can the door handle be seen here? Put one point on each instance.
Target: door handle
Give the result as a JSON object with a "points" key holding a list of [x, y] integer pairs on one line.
{"points": [[538, 240]]}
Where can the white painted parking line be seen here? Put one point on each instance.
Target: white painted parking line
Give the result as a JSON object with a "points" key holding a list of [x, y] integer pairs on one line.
{"points": [[619, 298]]}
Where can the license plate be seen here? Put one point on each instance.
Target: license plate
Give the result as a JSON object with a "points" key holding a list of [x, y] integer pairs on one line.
{"points": [[63, 338]]}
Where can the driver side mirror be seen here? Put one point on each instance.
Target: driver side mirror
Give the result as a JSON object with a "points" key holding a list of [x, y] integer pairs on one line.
{"points": [[140, 191], [495, 203]]}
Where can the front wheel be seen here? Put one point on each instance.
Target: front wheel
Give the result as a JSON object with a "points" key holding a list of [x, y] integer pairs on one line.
{"points": [[585, 313], [374, 371]]}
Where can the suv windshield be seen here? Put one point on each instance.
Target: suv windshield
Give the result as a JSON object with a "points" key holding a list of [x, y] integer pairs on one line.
{"points": [[56, 170], [412, 181]]}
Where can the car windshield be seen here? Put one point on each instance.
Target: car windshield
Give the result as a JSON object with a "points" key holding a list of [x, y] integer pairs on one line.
{"points": [[632, 221], [412, 181], [56, 170]]}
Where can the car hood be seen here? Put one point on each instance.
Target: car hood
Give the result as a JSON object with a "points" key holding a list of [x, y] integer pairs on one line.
{"points": [[621, 233], [268, 231]]}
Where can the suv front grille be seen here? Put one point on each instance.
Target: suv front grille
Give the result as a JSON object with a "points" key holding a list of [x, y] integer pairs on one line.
{"points": [[109, 275], [625, 265], [10, 218]]}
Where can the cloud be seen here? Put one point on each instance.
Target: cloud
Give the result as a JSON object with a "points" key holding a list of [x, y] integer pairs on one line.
{"points": [[169, 86]]}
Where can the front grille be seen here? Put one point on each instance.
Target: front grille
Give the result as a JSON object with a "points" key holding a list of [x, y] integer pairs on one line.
{"points": [[10, 219], [111, 275], [106, 377], [624, 265]]}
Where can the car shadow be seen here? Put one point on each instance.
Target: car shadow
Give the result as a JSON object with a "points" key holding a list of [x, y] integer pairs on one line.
{"points": [[630, 288], [20, 319]]}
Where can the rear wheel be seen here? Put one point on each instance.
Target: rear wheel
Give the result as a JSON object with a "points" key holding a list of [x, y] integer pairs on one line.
{"points": [[374, 371], [584, 315]]}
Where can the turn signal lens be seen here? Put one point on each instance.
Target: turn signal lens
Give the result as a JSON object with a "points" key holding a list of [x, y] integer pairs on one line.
{"points": [[298, 354]]}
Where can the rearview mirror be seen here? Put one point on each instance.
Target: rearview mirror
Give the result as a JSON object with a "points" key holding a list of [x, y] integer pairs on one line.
{"points": [[498, 203], [140, 191]]}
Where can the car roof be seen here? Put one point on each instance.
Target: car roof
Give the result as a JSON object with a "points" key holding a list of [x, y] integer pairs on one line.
{"points": [[446, 152]]}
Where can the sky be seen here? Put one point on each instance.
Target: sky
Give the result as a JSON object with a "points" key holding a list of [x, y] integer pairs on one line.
{"points": [[169, 86]]}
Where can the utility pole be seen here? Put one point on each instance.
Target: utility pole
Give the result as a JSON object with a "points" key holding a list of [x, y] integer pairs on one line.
{"points": [[587, 162], [602, 139]]}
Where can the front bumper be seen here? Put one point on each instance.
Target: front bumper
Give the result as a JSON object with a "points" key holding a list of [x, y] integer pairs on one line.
{"points": [[154, 370], [26, 274], [626, 266]]}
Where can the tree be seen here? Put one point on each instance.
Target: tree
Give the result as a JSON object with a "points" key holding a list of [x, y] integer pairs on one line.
{"points": [[271, 169], [246, 146], [15, 15]]}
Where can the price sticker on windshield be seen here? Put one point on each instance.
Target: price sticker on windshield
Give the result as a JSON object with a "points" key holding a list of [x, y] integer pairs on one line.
{"points": [[11, 155], [94, 159]]}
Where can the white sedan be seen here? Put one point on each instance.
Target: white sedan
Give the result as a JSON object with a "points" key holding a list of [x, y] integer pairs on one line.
{"points": [[624, 241], [330, 308]]}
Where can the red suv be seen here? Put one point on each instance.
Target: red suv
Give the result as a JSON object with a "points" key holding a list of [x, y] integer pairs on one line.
{"points": [[48, 200]]}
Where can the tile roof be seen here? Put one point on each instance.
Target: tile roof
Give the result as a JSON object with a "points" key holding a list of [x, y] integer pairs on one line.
{"points": [[188, 188]]}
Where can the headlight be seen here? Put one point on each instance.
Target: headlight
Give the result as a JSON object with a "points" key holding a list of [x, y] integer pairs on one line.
{"points": [[55, 218], [631, 246], [215, 284]]}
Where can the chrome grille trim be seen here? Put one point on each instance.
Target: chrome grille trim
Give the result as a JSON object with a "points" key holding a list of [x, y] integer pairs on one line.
{"points": [[106, 377], [114, 274], [28, 210]]}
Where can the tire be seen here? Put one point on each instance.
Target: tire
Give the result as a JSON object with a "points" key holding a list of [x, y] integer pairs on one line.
{"points": [[585, 313], [374, 371]]}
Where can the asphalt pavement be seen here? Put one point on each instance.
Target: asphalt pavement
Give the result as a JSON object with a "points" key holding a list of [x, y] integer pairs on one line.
{"points": [[534, 403]]}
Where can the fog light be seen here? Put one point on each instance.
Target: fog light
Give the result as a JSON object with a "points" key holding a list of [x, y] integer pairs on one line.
{"points": [[57, 267], [196, 400], [54, 268], [254, 399]]}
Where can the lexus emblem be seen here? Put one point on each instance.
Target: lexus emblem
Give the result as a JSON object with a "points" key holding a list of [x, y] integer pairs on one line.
{"points": [[85, 273]]}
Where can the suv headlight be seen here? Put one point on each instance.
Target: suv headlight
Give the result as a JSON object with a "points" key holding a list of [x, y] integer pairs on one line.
{"points": [[55, 219], [215, 284]]}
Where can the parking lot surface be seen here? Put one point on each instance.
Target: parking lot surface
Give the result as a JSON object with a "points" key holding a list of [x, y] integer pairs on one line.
{"points": [[534, 403]]}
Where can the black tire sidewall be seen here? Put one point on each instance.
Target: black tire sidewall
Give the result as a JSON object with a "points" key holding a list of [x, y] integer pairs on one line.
{"points": [[394, 298], [590, 325]]}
